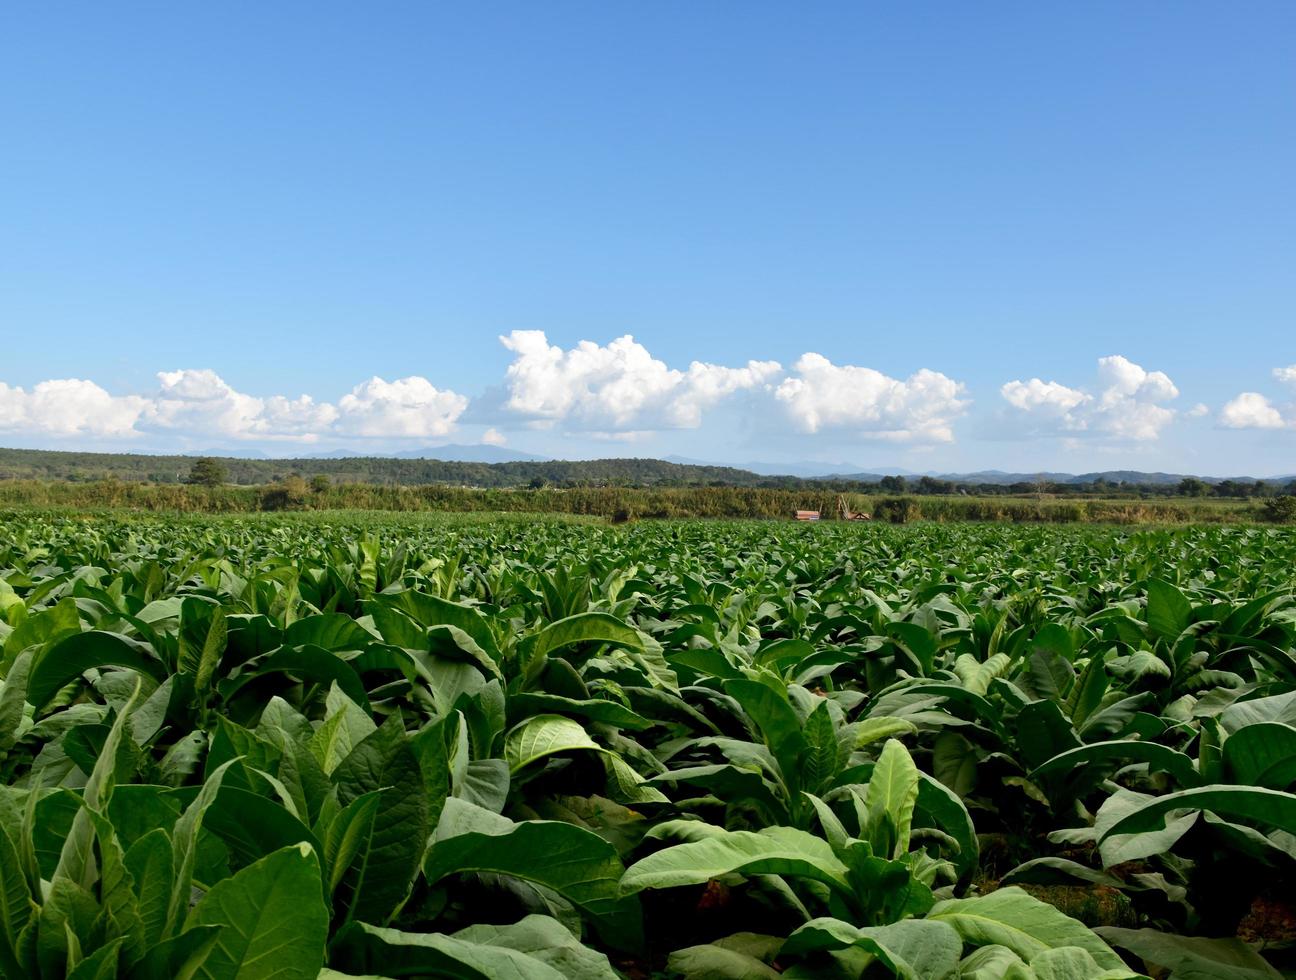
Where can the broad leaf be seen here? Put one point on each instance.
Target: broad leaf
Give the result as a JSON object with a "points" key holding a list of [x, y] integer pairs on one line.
{"points": [[273, 922], [1009, 917]]}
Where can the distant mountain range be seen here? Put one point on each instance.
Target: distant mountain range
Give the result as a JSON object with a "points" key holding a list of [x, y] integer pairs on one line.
{"points": [[806, 469], [1001, 477], [810, 470], [453, 452]]}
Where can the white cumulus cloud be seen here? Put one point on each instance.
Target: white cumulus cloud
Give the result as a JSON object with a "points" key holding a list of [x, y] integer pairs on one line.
{"points": [[200, 402], [69, 407], [407, 408], [493, 437], [1252, 410], [1046, 397], [616, 388], [1127, 404], [821, 395]]}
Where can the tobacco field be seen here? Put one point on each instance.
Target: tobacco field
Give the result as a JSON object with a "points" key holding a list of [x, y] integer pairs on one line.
{"points": [[330, 746]]}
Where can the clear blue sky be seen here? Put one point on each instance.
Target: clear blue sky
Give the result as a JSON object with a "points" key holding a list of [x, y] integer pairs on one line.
{"points": [[296, 198]]}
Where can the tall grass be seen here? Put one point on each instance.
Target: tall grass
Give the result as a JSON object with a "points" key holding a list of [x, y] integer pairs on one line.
{"points": [[616, 503]]}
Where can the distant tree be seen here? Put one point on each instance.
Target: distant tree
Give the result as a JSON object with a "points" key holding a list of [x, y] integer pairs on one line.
{"points": [[1190, 486], [1280, 510], [538, 483], [207, 472], [288, 494], [320, 483], [893, 484]]}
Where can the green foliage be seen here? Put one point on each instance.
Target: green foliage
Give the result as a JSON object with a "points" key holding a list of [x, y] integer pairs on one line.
{"points": [[1280, 510], [207, 472], [310, 746]]}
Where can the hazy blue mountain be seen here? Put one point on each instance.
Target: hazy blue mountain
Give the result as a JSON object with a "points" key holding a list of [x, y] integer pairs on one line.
{"points": [[806, 469], [455, 453], [479, 453]]}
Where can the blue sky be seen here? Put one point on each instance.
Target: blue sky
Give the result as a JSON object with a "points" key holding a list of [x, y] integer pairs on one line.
{"points": [[898, 236]]}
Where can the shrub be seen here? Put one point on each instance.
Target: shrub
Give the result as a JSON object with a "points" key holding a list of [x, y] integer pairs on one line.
{"points": [[1280, 510], [287, 494]]}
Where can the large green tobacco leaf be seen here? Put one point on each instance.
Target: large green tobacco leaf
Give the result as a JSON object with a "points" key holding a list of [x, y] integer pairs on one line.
{"points": [[541, 736], [546, 940], [273, 922], [775, 719], [311, 663], [99, 965], [178, 958], [185, 842], [937, 802], [1168, 610], [13, 694], [875, 729], [453, 643], [595, 709], [1158, 757], [577, 864], [994, 962], [348, 834], [76, 860], [1279, 708], [150, 862], [16, 905], [203, 662], [590, 627], [72, 656], [774, 850], [345, 726], [536, 947], [1119, 848], [742, 955], [1010, 917], [41, 628], [1193, 957], [387, 859], [67, 913], [976, 676], [913, 949], [1263, 754], [824, 751], [430, 610], [331, 631], [1265, 806], [253, 826], [891, 798]]}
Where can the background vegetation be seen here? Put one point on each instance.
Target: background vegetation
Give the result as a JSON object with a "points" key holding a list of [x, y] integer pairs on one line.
{"points": [[625, 503]]}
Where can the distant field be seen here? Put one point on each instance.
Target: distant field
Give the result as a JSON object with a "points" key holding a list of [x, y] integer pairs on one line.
{"points": [[618, 503]]}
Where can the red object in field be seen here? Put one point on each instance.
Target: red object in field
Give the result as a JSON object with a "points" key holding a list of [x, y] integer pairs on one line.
{"points": [[807, 515]]}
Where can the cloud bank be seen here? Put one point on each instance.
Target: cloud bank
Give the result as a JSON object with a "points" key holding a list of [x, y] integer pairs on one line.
{"points": [[620, 391], [198, 403]]}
